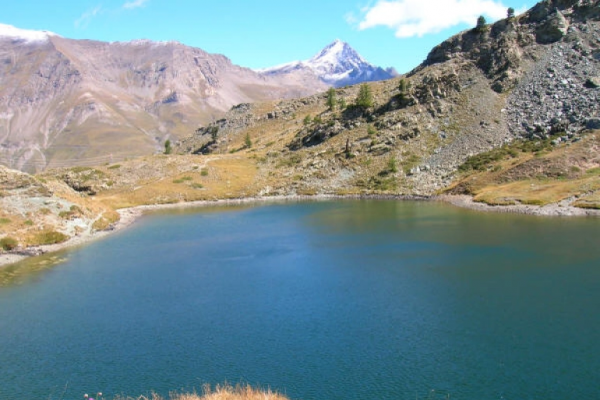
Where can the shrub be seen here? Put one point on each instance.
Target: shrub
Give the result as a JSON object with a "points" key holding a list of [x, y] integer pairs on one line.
{"points": [[248, 141], [392, 165], [307, 120], [204, 172], [510, 13], [49, 237], [214, 131], [184, 179], [8, 243], [168, 148]]}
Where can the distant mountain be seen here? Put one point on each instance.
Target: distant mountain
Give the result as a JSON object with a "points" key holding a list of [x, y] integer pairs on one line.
{"points": [[336, 65], [72, 102]]}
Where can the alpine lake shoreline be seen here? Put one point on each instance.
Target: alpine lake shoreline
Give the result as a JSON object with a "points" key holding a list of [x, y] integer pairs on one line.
{"points": [[128, 216]]}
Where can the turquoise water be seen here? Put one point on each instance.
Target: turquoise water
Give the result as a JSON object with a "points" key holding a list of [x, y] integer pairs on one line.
{"points": [[332, 300]]}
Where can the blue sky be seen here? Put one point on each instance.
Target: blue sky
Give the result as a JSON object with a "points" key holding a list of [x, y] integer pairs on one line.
{"points": [[264, 33]]}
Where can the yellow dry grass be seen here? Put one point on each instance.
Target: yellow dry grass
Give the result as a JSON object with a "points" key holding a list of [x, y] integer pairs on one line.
{"points": [[522, 179], [536, 192], [221, 392], [226, 177]]}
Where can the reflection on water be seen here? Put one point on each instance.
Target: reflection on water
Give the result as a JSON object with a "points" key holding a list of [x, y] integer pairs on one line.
{"points": [[28, 269]]}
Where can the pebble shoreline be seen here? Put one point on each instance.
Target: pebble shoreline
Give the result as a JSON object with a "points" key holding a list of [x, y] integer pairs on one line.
{"points": [[130, 215]]}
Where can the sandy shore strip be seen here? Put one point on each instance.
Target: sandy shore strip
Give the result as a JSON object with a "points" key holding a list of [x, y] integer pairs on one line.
{"points": [[130, 215], [560, 209]]}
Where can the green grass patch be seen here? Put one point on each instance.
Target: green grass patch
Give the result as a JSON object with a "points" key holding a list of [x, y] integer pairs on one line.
{"points": [[116, 166], [79, 170], [204, 172], [593, 171], [4, 221], [197, 186]]}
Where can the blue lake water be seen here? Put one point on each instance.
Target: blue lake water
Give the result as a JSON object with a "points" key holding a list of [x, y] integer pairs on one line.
{"points": [[324, 300]]}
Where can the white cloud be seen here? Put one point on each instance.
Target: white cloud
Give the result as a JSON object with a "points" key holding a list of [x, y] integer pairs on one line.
{"points": [[134, 4], [420, 17], [86, 17]]}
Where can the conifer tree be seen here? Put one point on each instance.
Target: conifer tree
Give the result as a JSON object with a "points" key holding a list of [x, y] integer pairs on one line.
{"points": [[331, 99], [481, 24], [365, 97]]}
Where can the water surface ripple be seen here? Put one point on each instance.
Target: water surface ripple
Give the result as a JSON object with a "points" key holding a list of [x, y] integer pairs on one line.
{"points": [[332, 300]]}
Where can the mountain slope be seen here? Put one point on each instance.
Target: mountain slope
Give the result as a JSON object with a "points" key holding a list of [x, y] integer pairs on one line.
{"points": [[337, 65], [68, 102], [534, 78]]}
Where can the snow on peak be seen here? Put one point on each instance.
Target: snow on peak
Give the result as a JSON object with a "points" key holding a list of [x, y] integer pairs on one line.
{"points": [[24, 34], [337, 64], [337, 57]]}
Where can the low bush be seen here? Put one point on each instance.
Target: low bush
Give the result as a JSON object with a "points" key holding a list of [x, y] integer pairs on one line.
{"points": [[49, 237], [8, 243]]}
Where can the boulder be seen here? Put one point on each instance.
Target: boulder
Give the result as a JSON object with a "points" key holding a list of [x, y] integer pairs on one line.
{"points": [[592, 123], [592, 83], [554, 29]]}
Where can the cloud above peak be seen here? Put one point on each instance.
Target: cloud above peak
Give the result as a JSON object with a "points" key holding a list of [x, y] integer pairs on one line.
{"points": [[410, 18], [134, 4]]}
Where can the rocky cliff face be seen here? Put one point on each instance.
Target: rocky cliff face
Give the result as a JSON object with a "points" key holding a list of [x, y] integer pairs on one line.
{"points": [[64, 102], [546, 60]]}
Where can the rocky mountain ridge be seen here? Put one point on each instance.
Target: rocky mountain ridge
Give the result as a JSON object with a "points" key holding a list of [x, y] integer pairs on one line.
{"points": [[64, 102]]}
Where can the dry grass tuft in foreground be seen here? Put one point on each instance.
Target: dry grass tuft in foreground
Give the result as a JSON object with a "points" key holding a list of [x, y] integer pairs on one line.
{"points": [[220, 392]]}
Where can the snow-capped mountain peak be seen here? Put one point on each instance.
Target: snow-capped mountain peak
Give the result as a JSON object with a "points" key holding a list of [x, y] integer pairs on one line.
{"points": [[14, 33], [338, 64], [336, 53]]}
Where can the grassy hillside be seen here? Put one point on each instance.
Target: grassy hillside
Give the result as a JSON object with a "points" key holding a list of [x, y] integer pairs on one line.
{"points": [[535, 172]]}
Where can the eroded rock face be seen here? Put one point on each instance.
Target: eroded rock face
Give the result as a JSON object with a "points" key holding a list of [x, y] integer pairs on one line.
{"points": [[505, 49]]}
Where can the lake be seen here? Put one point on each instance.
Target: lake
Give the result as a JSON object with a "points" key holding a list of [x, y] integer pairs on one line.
{"points": [[318, 300]]}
